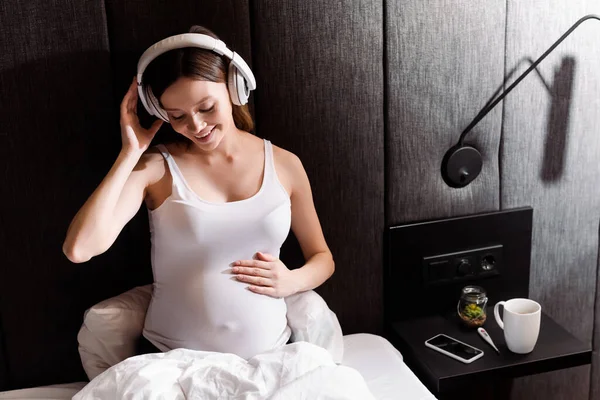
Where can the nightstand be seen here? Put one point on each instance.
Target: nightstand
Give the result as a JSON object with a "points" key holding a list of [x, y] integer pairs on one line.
{"points": [[447, 378]]}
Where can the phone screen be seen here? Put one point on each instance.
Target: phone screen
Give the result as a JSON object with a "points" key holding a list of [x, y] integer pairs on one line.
{"points": [[451, 346]]}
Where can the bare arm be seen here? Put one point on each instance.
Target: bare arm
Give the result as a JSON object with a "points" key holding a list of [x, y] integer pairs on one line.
{"points": [[319, 264], [120, 194], [116, 200]]}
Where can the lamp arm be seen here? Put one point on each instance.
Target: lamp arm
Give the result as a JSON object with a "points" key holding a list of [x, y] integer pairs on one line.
{"points": [[484, 112]]}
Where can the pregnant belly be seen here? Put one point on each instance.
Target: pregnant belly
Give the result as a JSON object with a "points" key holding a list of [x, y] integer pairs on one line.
{"points": [[214, 312]]}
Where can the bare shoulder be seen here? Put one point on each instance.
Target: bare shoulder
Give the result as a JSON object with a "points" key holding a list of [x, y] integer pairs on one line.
{"points": [[151, 165], [289, 169], [286, 158]]}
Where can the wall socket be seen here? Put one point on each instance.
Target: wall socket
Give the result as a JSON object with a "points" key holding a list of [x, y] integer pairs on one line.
{"points": [[463, 265]]}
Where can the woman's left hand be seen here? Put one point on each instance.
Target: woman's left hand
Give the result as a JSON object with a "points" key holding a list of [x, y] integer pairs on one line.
{"points": [[266, 275]]}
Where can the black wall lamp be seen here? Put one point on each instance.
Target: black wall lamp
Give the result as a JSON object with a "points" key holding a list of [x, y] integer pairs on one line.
{"points": [[462, 163]]}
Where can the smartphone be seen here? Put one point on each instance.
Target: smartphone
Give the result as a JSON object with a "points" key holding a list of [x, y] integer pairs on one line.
{"points": [[454, 348]]}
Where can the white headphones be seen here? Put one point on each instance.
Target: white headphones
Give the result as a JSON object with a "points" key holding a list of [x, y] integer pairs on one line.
{"points": [[240, 79]]}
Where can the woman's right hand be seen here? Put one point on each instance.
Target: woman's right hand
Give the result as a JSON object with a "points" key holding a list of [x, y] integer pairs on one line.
{"points": [[135, 138]]}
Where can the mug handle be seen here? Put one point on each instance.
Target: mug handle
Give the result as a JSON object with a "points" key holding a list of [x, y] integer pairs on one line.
{"points": [[497, 314]]}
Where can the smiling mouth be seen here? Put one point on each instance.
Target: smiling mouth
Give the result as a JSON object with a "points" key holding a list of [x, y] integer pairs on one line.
{"points": [[205, 135]]}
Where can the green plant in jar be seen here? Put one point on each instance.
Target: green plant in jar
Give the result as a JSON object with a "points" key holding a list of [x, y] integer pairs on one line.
{"points": [[471, 306]]}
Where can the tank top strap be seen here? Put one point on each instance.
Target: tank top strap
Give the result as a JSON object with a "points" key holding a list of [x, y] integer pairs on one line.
{"points": [[270, 174], [176, 175], [272, 182]]}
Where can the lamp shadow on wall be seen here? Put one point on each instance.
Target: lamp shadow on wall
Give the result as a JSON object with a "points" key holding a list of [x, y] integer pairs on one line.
{"points": [[557, 127]]}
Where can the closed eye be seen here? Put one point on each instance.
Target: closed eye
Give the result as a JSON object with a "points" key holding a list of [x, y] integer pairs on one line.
{"points": [[180, 117], [207, 110]]}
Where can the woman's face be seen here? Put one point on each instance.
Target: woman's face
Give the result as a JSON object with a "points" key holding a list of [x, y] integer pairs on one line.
{"points": [[199, 110]]}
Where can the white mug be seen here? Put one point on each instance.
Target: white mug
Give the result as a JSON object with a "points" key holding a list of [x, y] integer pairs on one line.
{"points": [[521, 324]]}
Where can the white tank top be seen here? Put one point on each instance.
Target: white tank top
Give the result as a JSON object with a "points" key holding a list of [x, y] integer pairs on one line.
{"points": [[196, 302]]}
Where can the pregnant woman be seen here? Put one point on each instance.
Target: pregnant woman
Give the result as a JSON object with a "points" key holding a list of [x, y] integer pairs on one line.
{"points": [[221, 202]]}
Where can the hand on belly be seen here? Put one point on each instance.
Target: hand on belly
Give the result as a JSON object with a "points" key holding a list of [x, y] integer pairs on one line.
{"points": [[266, 275]]}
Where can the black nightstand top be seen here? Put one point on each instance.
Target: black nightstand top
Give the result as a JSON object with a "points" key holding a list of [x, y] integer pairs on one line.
{"points": [[555, 349]]}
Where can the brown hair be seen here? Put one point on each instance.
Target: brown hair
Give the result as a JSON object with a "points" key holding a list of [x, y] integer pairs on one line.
{"points": [[195, 63]]}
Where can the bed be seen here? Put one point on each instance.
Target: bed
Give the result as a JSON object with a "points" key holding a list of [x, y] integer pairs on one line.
{"points": [[381, 365]]}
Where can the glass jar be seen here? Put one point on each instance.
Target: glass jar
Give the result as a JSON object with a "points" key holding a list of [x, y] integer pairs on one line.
{"points": [[471, 306]]}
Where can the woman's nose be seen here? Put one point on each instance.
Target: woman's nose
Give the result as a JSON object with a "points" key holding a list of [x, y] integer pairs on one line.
{"points": [[196, 124]]}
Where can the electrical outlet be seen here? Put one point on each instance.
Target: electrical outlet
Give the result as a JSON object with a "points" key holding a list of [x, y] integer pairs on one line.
{"points": [[463, 265]]}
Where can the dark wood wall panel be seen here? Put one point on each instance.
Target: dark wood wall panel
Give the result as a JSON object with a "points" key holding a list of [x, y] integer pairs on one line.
{"points": [[550, 153], [441, 70], [320, 95], [56, 117]]}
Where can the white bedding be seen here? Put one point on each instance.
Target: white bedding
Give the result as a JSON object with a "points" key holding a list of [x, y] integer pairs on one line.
{"points": [[383, 368], [299, 370], [379, 363]]}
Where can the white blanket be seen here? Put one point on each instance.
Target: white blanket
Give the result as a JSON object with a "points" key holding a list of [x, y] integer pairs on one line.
{"points": [[295, 371]]}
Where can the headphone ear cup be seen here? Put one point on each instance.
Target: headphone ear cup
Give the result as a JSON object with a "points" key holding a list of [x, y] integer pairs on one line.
{"points": [[238, 90], [154, 105]]}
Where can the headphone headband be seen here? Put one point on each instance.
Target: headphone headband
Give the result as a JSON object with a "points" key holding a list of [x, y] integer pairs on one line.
{"points": [[203, 42]]}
